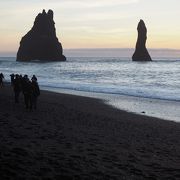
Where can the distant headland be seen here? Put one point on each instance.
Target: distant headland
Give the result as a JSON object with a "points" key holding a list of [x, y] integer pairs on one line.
{"points": [[41, 43], [141, 53]]}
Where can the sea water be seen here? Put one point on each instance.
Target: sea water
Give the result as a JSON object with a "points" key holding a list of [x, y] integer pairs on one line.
{"points": [[106, 71]]}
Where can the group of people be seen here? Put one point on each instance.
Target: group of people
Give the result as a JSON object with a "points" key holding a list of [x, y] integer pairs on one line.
{"points": [[29, 88]]}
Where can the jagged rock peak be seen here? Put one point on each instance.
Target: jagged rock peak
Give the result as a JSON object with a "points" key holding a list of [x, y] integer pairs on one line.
{"points": [[50, 14], [141, 53], [41, 43], [44, 12]]}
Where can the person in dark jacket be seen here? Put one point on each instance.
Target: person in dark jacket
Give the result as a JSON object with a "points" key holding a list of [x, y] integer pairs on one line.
{"points": [[17, 87], [35, 92], [12, 79], [34, 78], [27, 91], [1, 79]]}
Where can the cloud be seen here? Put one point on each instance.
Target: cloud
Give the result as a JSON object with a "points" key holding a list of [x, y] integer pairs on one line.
{"points": [[82, 3], [27, 6], [94, 3], [103, 1]]}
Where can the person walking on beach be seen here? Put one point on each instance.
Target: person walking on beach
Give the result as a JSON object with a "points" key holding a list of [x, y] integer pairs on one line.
{"points": [[1, 79], [27, 91], [35, 92], [12, 79], [17, 87], [34, 78]]}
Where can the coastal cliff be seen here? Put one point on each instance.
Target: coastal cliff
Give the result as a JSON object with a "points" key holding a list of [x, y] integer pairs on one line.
{"points": [[41, 43], [141, 53]]}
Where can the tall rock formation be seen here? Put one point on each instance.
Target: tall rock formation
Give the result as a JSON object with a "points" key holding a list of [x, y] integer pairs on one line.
{"points": [[41, 43], [141, 53]]}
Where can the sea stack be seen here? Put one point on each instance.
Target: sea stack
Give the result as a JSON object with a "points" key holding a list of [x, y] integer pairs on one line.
{"points": [[141, 53], [41, 43]]}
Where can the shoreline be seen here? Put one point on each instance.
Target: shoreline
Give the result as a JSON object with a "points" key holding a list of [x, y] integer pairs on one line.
{"points": [[158, 108], [76, 137], [167, 110]]}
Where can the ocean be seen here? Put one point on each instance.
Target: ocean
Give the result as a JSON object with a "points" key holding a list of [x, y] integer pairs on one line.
{"points": [[106, 71]]}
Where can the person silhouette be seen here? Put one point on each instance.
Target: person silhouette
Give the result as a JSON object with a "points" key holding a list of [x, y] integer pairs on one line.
{"points": [[17, 87], [1, 80], [35, 92], [12, 79], [27, 91], [34, 78]]}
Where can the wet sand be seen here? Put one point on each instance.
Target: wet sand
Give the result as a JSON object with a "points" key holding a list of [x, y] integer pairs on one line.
{"points": [[72, 137], [163, 109]]}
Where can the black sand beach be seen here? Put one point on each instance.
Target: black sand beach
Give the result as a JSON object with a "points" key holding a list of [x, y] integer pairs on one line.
{"points": [[71, 137]]}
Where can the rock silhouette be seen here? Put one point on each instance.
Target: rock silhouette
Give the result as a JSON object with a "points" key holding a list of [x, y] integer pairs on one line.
{"points": [[141, 53], [41, 43]]}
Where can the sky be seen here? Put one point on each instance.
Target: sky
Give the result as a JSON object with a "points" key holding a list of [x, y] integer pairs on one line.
{"points": [[94, 23]]}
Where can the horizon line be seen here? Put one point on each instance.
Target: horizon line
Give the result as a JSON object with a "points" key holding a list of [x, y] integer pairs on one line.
{"points": [[130, 48]]}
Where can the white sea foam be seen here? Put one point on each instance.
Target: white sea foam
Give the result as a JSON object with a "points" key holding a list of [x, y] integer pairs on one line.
{"points": [[159, 79], [116, 75]]}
